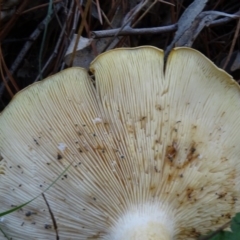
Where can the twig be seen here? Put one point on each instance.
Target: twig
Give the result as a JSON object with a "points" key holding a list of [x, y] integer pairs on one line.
{"points": [[84, 17], [9, 75], [27, 46], [224, 20], [11, 22], [232, 45], [52, 217], [99, 12], [155, 30], [60, 39], [39, 7], [127, 21], [133, 31]]}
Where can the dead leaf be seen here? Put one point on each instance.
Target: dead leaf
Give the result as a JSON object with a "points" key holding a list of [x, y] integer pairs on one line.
{"points": [[82, 52], [186, 21]]}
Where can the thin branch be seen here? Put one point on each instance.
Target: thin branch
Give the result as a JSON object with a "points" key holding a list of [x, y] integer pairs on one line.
{"points": [[232, 45], [36, 33], [60, 40], [155, 30], [133, 31], [39, 7], [52, 217]]}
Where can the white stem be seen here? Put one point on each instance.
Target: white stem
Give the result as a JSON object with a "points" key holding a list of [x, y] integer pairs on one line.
{"points": [[145, 222]]}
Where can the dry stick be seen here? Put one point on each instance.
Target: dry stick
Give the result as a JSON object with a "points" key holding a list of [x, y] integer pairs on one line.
{"points": [[132, 31], [5, 83], [60, 38], [11, 22], [148, 9], [93, 45], [99, 12], [126, 24], [75, 20], [52, 217], [84, 17], [27, 46], [9, 75], [142, 16], [40, 6], [233, 44], [155, 30]]}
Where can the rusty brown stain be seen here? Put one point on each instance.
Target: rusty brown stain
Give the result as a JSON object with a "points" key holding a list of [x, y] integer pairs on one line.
{"points": [[228, 215], [189, 192], [156, 170], [222, 114], [194, 233], [171, 151], [191, 155], [170, 177], [130, 129], [143, 121], [80, 150], [152, 187], [221, 195], [95, 236], [191, 152], [158, 107]]}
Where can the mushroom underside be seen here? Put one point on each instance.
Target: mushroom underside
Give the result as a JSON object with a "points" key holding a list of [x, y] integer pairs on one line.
{"points": [[142, 143]]}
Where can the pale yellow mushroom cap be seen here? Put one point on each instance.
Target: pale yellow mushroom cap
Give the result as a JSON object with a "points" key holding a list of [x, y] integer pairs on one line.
{"points": [[150, 151]]}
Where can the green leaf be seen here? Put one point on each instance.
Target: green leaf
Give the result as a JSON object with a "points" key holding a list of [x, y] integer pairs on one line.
{"points": [[234, 234]]}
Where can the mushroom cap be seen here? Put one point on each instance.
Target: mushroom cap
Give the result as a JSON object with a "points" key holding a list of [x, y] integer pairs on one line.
{"points": [[144, 142]]}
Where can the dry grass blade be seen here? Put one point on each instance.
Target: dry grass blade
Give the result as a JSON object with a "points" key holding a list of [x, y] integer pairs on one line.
{"points": [[83, 22]]}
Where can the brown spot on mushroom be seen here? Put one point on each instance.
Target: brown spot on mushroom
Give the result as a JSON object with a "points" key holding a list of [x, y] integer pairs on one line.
{"points": [[189, 193], [28, 214], [228, 215], [194, 233], [170, 177], [130, 129], [143, 121], [158, 107], [35, 140], [47, 226], [164, 91], [95, 236], [152, 187], [221, 195], [59, 156], [191, 155], [171, 151]]}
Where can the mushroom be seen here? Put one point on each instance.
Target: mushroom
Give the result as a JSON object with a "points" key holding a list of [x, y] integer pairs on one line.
{"points": [[150, 154]]}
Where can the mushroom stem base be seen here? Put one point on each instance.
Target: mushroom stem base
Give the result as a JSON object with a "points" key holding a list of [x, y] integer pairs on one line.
{"points": [[147, 222]]}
